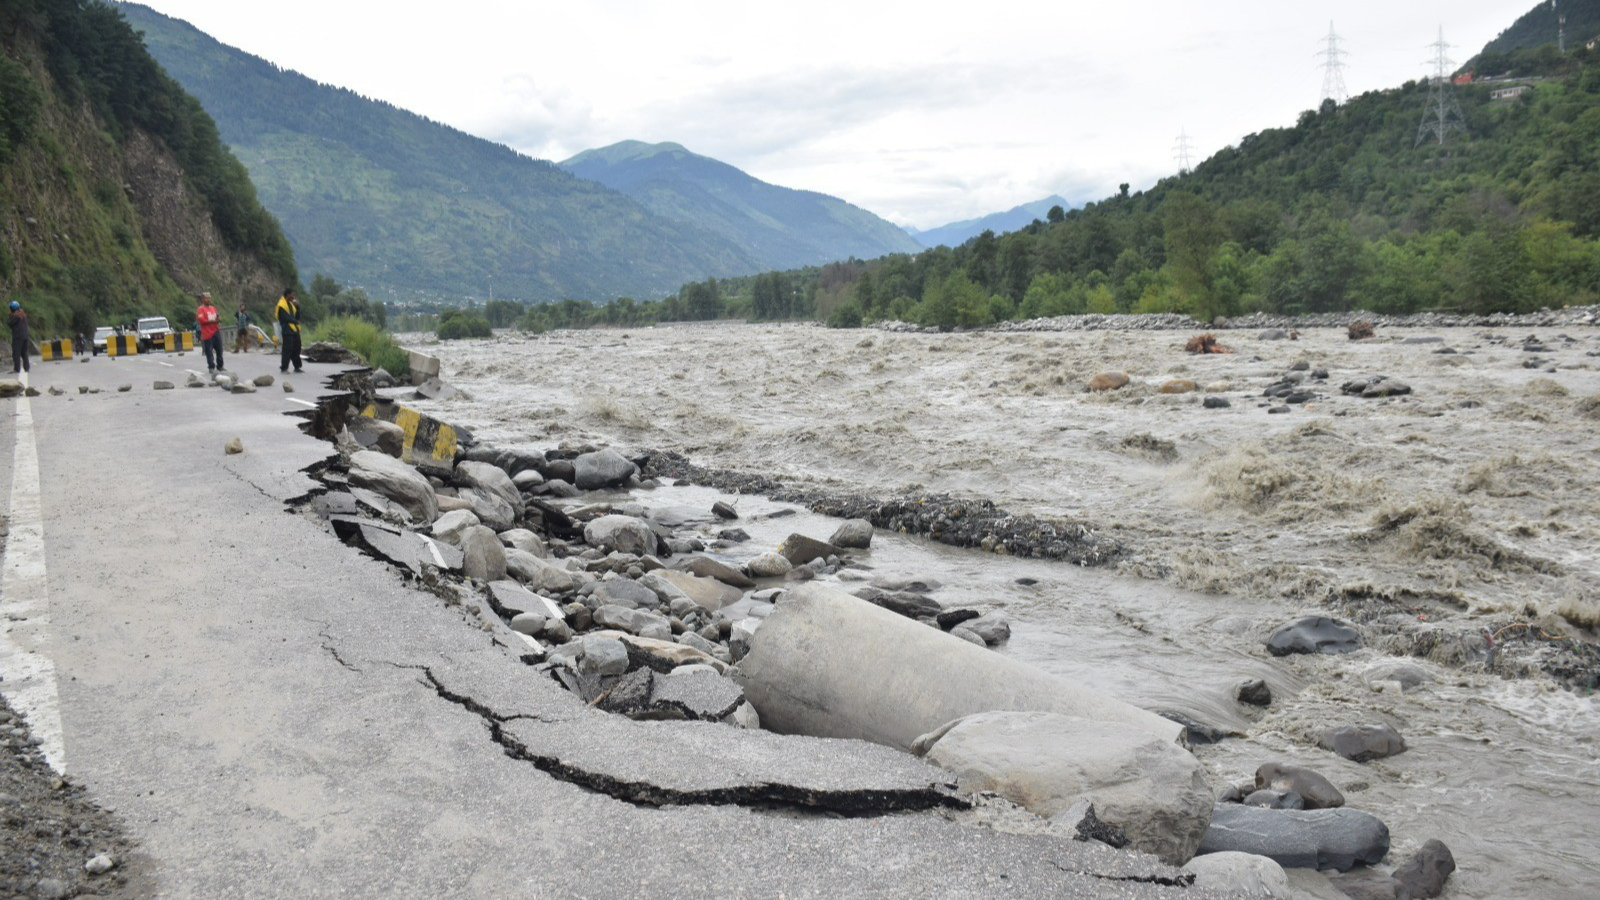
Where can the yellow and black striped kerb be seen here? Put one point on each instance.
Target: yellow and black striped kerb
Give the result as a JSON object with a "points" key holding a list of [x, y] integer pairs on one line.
{"points": [[122, 345], [428, 443], [57, 349], [182, 340]]}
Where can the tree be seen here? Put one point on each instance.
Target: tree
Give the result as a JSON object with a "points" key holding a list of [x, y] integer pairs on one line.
{"points": [[1056, 215]]}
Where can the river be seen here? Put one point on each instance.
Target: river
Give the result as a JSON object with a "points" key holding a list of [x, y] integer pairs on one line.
{"points": [[1470, 504]]}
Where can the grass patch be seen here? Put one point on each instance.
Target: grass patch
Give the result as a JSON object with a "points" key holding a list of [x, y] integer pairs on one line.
{"points": [[374, 345]]}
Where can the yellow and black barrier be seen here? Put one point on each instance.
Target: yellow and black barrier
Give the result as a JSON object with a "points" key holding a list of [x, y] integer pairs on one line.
{"points": [[122, 345], [181, 340], [60, 348], [429, 443]]}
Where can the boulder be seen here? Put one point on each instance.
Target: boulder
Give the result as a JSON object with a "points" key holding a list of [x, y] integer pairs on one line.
{"points": [[164, 386], [1215, 403], [1178, 386], [526, 541], [450, 525], [826, 664], [602, 469], [241, 388], [1253, 692], [376, 434], [706, 567], [482, 556], [330, 352], [489, 479], [262, 381], [1423, 875], [799, 549], [664, 655], [522, 565], [10, 387], [1361, 743], [529, 623], [1299, 839], [707, 593], [233, 446], [603, 655], [724, 510], [1151, 788], [1108, 381], [992, 626], [620, 533], [1314, 634], [906, 603], [1316, 792], [490, 508], [397, 481], [513, 460], [768, 565], [511, 599], [625, 592], [527, 479], [854, 534], [544, 577], [1274, 799], [1242, 874]]}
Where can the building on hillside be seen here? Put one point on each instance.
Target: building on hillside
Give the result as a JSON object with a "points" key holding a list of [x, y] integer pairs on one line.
{"points": [[1509, 92]]}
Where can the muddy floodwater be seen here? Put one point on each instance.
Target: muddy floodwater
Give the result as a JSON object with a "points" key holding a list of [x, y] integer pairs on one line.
{"points": [[1458, 524]]}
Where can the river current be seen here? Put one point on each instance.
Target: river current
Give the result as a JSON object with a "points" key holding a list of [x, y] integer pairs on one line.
{"points": [[1472, 501]]}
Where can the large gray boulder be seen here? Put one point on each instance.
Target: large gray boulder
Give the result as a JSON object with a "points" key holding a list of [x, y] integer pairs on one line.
{"points": [[768, 565], [1362, 743], [1316, 791], [489, 479], [828, 664], [1148, 786], [525, 540], [621, 533], [854, 534], [545, 577], [1241, 874], [376, 434], [626, 592], [397, 481], [490, 508], [708, 593], [1299, 838], [522, 565], [483, 557], [449, 526], [602, 469]]}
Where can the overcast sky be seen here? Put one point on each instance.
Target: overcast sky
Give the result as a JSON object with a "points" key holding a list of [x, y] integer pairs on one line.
{"points": [[922, 112]]}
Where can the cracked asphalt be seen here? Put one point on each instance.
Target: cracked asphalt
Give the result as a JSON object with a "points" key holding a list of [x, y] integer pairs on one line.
{"points": [[272, 714]]}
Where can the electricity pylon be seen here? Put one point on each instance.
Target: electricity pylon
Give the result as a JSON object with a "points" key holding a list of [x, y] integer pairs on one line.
{"points": [[1443, 114]]}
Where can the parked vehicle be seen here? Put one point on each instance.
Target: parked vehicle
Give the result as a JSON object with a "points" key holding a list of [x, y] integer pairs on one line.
{"points": [[98, 344]]}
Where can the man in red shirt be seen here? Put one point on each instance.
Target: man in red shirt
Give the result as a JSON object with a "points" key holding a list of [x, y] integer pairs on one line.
{"points": [[210, 333]]}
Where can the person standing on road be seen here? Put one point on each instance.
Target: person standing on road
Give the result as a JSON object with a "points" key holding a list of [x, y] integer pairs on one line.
{"points": [[241, 320], [18, 323], [288, 316], [210, 333]]}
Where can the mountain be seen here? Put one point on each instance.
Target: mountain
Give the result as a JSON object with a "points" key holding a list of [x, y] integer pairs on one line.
{"points": [[385, 199], [778, 225], [957, 233], [117, 198], [1539, 26]]}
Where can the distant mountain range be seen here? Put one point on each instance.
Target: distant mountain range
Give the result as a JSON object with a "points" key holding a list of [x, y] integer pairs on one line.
{"points": [[957, 233], [379, 197], [800, 228]]}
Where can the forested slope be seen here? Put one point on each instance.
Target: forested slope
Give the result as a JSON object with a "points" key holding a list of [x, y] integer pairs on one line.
{"points": [[405, 206], [117, 199]]}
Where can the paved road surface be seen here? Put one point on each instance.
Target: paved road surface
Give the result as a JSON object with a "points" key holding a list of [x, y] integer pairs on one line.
{"points": [[275, 715]]}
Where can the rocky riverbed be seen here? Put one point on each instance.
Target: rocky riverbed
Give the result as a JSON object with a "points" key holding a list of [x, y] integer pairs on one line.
{"points": [[1451, 525]]}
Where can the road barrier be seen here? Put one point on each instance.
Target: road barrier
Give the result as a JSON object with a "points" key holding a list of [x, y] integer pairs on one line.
{"points": [[429, 443], [122, 345], [182, 340], [60, 348]]}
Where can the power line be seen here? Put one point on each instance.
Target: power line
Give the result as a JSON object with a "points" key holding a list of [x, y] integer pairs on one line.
{"points": [[1333, 68], [1443, 114], [1180, 151]]}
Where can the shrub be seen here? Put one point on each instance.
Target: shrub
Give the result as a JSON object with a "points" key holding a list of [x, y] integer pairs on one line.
{"points": [[845, 315], [375, 346], [455, 324]]}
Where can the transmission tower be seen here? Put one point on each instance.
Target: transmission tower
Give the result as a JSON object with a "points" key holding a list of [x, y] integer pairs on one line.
{"points": [[1561, 33], [1333, 68], [1180, 151], [1443, 114]]}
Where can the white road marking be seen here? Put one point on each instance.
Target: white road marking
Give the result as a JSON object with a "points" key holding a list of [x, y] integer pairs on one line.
{"points": [[438, 558], [298, 400], [27, 673], [167, 364]]}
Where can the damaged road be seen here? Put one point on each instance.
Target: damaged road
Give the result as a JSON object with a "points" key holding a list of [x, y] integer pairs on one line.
{"points": [[273, 713]]}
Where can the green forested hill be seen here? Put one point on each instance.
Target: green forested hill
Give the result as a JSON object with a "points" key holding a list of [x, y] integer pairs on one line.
{"points": [[396, 203], [1352, 207], [1538, 26], [117, 199], [780, 226]]}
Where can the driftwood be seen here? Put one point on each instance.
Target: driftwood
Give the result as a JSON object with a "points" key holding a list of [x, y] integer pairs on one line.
{"points": [[1205, 343], [1360, 329]]}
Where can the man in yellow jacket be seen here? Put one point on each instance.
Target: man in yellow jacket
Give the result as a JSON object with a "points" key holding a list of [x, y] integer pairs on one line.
{"points": [[288, 313]]}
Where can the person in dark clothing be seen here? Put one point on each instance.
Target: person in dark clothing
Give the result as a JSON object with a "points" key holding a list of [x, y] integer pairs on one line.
{"points": [[241, 336], [18, 323], [288, 313]]}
